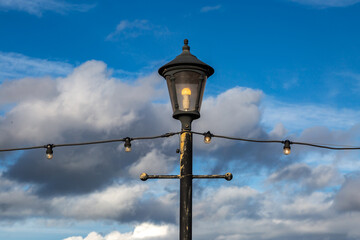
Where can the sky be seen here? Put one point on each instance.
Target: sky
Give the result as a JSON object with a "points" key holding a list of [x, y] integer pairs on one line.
{"points": [[79, 71]]}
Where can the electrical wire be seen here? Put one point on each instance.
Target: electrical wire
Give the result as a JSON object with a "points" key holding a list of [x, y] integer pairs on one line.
{"points": [[166, 135], [326, 146], [90, 143]]}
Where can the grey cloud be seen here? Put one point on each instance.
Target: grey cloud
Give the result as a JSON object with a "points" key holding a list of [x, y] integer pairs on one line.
{"points": [[27, 89], [306, 177], [91, 105], [293, 172], [18, 202], [348, 198], [283, 216], [227, 203], [122, 203]]}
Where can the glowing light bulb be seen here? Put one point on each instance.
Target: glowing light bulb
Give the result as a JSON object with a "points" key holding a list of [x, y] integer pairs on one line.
{"points": [[287, 151], [127, 145], [186, 92], [49, 151], [207, 137], [287, 148]]}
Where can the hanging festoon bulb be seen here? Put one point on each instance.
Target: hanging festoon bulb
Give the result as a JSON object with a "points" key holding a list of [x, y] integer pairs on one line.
{"points": [[127, 144], [287, 148], [207, 137], [186, 93], [49, 151]]}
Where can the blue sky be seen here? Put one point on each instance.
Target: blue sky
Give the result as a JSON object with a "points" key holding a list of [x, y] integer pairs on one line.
{"points": [[73, 71]]}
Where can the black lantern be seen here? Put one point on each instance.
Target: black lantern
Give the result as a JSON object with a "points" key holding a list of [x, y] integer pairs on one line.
{"points": [[186, 78]]}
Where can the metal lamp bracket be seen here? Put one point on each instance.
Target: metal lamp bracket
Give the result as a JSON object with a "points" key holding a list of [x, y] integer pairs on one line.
{"points": [[145, 176]]}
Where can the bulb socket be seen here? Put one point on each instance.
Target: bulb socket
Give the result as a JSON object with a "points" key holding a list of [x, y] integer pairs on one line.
{"points": [[49, 151], [287, 148], [127, 144], [207, 137]]}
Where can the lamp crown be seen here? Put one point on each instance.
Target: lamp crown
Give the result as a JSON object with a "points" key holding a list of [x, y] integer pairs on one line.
{"points": [[186, 60]]}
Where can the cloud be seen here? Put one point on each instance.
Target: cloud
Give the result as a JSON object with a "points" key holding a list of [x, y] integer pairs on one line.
{"points": [[144, 231], [154, 162], [27, 89], [348, 198], [327, 3], [275, 112], [134, 29], [100, 182], [210, 8], [37, 7], [116, 202], [15, 66], [306, 177], [87, 104]]}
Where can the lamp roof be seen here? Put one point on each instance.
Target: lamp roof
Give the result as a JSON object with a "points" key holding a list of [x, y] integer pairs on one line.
{"points": [[186, 58]]}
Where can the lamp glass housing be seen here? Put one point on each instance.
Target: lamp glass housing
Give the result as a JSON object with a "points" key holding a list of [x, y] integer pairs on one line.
{"points": [[186, 90]]}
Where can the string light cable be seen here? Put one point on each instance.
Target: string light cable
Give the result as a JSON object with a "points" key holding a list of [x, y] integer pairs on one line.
{"points": [[127, 144], [207, 139], [287, 143]]}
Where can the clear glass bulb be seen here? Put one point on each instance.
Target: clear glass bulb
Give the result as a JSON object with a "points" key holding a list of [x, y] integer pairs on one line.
{"points": [[49, 155], [207, 139], [127, 144], [287, 151], [186, 93]]}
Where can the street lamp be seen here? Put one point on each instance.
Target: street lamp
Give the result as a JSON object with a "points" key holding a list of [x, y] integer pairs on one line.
{"points": [[186, 78]]}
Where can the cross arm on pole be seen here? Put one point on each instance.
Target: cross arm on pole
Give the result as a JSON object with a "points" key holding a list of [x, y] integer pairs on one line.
{"points": [[145, 176]]}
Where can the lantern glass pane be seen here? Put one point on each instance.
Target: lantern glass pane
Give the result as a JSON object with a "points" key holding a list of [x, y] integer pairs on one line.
{"points": [[187, 84], [172, 92], [203, 83]]}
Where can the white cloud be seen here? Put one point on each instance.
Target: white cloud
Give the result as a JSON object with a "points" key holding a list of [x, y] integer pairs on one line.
{"points": [[37, 7], [210, 8], [240, 213], [297, 117], [239, 103], [115, 202], [153, 162], [19, 201], [14, 65], [87, 98], [136, 28], [327, 3], [89, 103], [144, 231]]}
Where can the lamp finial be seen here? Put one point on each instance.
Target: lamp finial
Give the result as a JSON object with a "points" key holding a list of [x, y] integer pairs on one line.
{"points": [[186, 46]]}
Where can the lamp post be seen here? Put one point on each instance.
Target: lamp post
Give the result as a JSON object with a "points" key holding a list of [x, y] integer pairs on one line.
{"points": [[186, 77]]}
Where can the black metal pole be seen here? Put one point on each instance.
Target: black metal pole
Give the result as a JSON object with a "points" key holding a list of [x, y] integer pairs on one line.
{"points": [[186, 178]]}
